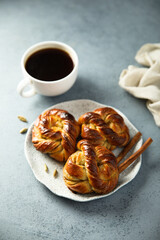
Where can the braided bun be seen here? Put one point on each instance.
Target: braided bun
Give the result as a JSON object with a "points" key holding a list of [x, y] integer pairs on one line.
{"points": [[55, 132], [104, 127], [91, 169]]}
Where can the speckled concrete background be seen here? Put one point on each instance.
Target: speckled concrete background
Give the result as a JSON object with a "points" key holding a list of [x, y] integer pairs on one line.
{"points": [[106, 35]]}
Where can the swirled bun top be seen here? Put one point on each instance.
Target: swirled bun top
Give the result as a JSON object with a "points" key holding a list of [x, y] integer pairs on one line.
{"points": [[105, 127], [55, 132], [91, 169]]}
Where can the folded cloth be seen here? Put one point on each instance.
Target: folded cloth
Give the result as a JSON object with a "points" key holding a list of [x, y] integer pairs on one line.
{"points": [[144, 82], [148, 54]]}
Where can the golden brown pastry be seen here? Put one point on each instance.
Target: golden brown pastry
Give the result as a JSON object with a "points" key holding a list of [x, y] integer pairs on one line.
{"points": [[105, 127], [91, 169], [55, 132], [95, 168]]}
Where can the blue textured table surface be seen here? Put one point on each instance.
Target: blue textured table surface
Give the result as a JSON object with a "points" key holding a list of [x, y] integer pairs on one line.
{"points": [[106, 36]]}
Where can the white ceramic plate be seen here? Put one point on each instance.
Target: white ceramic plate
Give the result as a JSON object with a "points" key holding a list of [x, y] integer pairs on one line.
{"points": [[37, 159]]}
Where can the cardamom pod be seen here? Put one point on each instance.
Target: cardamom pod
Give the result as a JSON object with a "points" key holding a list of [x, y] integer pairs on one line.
{"points": [[55, 173], [23, 130], [45, 168], [21, 118]]}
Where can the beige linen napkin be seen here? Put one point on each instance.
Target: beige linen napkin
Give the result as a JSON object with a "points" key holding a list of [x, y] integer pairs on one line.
{"points": [[144, 82]]}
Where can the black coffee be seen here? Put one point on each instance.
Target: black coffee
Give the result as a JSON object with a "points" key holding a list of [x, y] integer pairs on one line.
{"points": [[49, 64]]}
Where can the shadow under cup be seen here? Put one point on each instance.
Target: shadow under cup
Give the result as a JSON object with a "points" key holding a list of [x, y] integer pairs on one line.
{"points": [[48, 87]]}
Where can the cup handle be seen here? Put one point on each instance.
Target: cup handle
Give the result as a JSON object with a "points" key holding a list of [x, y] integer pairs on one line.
{"points": [[22, 85]]}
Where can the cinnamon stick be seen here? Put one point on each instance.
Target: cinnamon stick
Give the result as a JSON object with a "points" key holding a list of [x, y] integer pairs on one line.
{"points": [[134, 156], [129, 146]]}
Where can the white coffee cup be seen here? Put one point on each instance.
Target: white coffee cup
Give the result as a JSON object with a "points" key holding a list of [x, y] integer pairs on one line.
{"points": [[47, 88]]}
